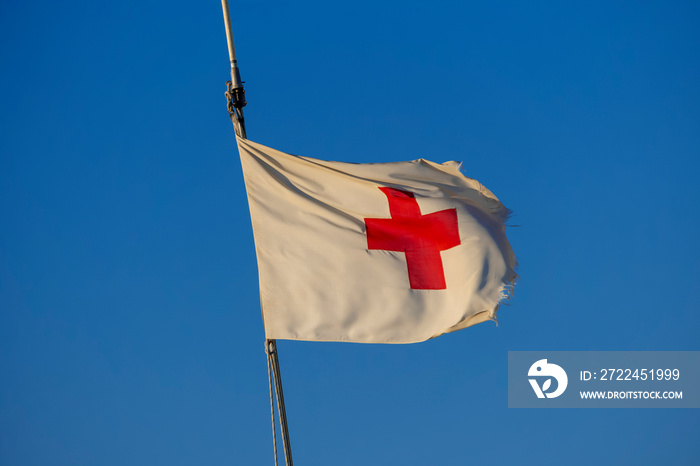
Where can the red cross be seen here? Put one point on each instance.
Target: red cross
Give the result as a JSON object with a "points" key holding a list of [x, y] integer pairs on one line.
{"points": [[420, 237]]}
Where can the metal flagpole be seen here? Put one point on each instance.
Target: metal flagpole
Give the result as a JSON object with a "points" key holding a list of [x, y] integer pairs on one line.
{"points": [[273, 359], [235, 95]]}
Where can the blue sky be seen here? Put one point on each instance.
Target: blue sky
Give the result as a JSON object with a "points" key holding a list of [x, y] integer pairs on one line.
{"points": [[130, 330]]}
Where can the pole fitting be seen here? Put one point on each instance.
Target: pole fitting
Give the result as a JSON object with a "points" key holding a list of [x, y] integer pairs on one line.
{"points": [[270, 347], [235, 96], [235, 101]]}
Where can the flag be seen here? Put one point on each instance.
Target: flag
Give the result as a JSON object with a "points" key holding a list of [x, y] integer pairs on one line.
{"points": [[373, 253]]}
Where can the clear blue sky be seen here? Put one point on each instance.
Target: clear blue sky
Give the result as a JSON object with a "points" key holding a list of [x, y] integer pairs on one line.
{"points": [[130, 330]]}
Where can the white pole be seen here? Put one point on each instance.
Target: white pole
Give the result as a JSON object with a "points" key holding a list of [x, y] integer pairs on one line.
{"points": [[235, 94], [235, 73]]}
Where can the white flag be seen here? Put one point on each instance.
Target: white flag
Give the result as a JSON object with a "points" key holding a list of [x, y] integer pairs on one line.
{"points": [[373, 253]]}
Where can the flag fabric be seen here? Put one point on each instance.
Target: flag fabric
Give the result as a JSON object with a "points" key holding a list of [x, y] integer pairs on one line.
{"points": [[373, 253]]}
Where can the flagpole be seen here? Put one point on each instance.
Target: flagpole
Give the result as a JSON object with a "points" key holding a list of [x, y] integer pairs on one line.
{"points": [[273, 359], [235, 96]]}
